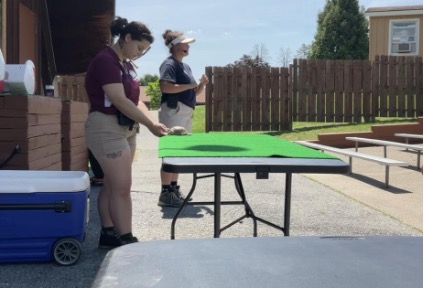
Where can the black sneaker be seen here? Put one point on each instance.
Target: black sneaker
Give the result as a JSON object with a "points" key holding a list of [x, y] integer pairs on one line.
{"points": [[168, 198], [179, 194], [127, 240], [108, 240]]}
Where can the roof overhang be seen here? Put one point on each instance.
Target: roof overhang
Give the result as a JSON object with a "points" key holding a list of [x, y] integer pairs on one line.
{"points": [[394, 11], [79, 29]]}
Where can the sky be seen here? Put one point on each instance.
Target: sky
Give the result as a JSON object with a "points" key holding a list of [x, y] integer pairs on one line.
{"points": [[225, 30]]}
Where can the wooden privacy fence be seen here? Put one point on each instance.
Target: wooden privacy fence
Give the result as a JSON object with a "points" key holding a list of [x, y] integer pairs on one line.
{"points": [[352, 90], [398, 86], [248, 99], [269, 99]]}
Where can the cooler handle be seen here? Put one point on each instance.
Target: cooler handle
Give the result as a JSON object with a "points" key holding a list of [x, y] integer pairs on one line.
{"points": [[58, 207]]}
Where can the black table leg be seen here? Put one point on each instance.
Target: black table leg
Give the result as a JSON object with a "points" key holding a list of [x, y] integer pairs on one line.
{"points": [[217, 206], [174, 220], [247, 209], [287, 204]]}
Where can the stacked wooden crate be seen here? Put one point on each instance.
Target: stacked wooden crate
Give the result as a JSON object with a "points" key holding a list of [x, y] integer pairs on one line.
{"points": [[74, 149], [71, 87], [30, 129]]}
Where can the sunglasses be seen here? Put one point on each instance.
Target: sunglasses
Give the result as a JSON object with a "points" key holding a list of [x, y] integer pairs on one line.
{"points": [[145, 51], [142, 54]]}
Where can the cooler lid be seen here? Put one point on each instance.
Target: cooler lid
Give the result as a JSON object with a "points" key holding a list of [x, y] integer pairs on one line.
{"points": [[28, 181]]}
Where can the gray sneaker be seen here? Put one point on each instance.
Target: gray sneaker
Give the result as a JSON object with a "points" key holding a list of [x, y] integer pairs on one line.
{"points": [[179, 193], [168, 198]]}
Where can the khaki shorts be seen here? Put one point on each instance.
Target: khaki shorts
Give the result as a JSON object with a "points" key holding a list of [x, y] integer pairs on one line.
{"points": [[180, 116], [104, 135]]}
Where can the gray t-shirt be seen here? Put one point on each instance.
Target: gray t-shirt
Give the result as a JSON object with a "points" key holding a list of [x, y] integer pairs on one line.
{"points": [[177, 72]]}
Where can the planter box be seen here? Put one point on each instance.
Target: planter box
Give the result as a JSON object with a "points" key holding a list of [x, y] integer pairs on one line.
{"points": [[381, 132], [31, 123]]}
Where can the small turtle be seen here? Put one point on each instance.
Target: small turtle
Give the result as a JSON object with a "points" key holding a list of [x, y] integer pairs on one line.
{"points": [[177, 130]]}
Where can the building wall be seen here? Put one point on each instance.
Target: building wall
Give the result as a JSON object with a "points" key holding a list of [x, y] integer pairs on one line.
{"points": [[379, 34], [28, 27], [3, 26]]}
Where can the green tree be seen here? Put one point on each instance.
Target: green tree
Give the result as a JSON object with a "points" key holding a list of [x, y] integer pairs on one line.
{"points": [[303, 52], [153, 91], [285, 57], [147, 78], [256, 59], [260, 52], [249, 61], [342, 32]]}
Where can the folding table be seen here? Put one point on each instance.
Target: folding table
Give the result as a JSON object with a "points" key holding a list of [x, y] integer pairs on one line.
{"points": [[219, 153], [307, 261]]}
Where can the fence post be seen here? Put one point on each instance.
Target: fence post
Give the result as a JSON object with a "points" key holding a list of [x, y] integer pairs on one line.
{"points": [[375, 108], [209, 99], [419, 86]]}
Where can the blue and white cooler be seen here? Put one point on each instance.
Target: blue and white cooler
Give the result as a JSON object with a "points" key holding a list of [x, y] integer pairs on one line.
{"points": [[43, 215]]}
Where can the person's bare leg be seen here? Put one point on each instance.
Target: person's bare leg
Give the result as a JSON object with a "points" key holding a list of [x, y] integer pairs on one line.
{"points": [[103, 201], [103, 206], [117, 171], [166, 178], [174, 177]]}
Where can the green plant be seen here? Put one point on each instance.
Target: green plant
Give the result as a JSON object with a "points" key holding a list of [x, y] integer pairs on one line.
{"points": [[147, 78], [153, 91], [199, 119]]}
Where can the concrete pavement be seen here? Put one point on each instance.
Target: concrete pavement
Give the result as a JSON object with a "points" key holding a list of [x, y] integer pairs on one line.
{"points": [[403, 200], [321, 205]]}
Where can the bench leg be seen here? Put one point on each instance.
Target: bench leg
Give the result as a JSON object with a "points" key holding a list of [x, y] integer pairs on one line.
{"points": [[387, 176]]}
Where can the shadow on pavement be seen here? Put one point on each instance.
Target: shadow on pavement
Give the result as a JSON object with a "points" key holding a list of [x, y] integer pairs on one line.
{"points": [[377, 183], [188, 212]]}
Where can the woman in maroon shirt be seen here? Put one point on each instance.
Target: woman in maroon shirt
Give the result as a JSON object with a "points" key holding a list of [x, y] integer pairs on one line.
{"points": [[112, 125]]}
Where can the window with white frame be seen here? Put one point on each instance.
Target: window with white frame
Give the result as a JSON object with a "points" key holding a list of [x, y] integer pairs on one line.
{"points": [[403, 38]]}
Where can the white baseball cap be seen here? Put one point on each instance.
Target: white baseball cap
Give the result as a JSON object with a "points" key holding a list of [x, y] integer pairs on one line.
{"points": [[181, 39]]}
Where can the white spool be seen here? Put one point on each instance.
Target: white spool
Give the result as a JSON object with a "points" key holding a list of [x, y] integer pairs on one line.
{"points": [[2, 71], [20, 79]]}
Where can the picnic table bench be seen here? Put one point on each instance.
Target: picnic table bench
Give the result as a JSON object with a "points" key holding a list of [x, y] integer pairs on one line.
{"points": [[408, 135], [385, 143], [380, 160]]}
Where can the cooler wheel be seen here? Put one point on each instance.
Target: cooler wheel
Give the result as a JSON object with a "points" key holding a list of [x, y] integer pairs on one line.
{"points": [[66, 251]]}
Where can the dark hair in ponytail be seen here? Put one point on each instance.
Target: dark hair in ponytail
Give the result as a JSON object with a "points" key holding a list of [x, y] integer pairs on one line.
{"points": [[138, 31]]}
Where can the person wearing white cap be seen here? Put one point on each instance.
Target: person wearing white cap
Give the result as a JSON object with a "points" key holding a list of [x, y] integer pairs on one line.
{"points": [[179, 90]]}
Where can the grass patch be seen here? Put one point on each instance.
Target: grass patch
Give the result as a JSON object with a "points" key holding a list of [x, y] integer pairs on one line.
{"points": [[307, 130]]}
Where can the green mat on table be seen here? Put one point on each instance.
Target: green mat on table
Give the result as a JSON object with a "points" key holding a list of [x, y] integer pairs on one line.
{"points": [[226, 144]]}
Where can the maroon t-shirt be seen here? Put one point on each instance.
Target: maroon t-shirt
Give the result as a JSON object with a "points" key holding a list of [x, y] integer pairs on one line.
{"points": [[105, 68]]}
